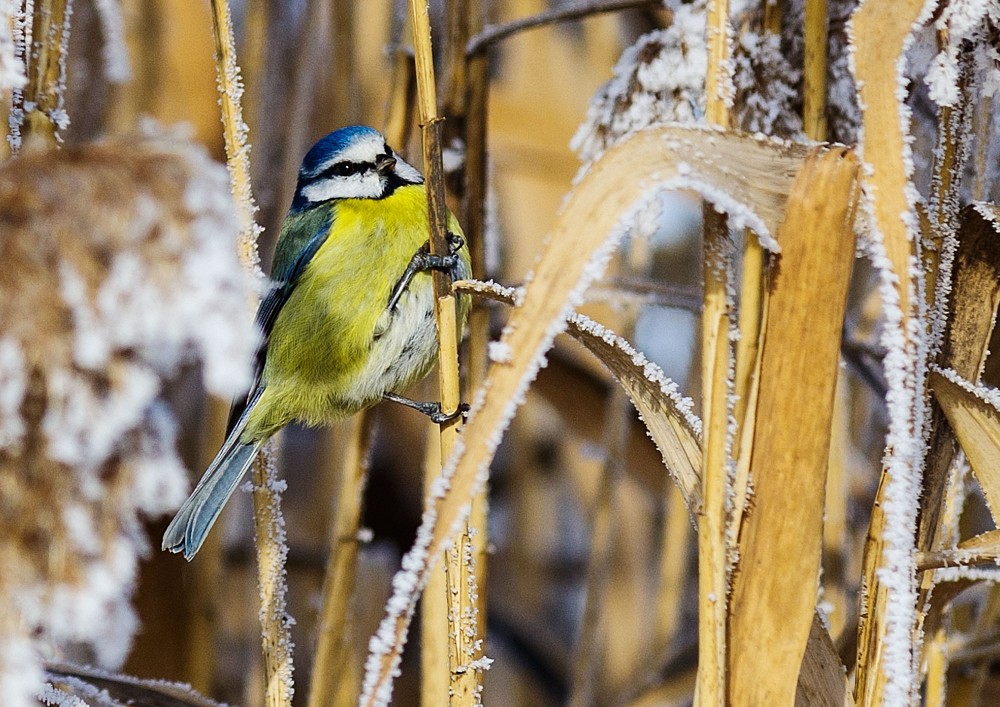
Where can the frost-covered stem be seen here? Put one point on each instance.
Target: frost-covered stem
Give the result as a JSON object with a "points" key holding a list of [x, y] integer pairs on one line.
{"points": [[712, 546], [713, 590], [718, 81], [465, 684], [564, 12], [269, 526], [40, 105], [814, 71], [268, 523], [333, 679], [235, 132], [475, 197]]}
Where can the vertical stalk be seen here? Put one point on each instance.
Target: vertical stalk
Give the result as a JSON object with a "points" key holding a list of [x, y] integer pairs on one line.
{"points": [[42, 97], [710, 689], [276, 639], [814, 73], [465, 682]]}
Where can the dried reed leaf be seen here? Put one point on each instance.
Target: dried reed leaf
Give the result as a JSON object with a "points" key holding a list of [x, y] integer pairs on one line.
{"points": [[775, 584], [976, 422], [736, 170], [667, 416], [822, 681], [975, 293], [96, 687]]}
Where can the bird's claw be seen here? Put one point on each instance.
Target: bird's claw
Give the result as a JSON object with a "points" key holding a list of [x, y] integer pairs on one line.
{"points": [[443, 417], [432, 410], [424, 260]]}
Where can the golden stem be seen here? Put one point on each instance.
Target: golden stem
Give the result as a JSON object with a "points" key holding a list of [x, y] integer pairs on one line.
{"points": [[710, 689], [276, 638], [465, 684], [46, 73]]}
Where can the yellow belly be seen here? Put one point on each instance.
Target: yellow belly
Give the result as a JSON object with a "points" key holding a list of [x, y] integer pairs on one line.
{"points": [[329, 355]]}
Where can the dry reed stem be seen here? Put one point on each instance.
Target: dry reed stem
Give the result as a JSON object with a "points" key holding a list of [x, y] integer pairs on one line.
{"points": [[774, 589], [713, 553], [334, 669], [757, 172], [474, 210], [975, 293], [275, 634], [46, 72], [982, 548], [880, 31], [946, 221], [465, 683], [814, 70], [822, 680]]}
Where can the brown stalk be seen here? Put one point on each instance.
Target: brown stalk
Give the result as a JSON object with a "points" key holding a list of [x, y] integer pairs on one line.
{"points": [[465, 683], [759, 171], [46, 72], [880, 33], [713, 553], [275, 634]]}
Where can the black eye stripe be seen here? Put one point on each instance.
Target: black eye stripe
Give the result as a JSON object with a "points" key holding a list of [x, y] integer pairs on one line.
{"points": [[344, 169]]}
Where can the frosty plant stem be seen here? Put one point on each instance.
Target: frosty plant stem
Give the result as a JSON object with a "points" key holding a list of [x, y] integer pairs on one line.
{"points": [[46, 71], [271, 549], [710, 689], [465, 683]]}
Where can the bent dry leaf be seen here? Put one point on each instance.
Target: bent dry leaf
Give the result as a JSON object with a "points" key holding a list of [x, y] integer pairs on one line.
{"points": [[775, 585], [973, 415], [748, 177]]}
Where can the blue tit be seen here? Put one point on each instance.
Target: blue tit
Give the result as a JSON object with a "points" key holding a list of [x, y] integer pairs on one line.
{"points": [[349, 316]]}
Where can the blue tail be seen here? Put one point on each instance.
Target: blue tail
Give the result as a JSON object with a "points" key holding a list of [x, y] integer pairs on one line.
{"points": [[189, 528]]}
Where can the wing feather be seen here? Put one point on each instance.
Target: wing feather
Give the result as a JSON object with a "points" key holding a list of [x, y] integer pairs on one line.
{"points": [[307, 231]]}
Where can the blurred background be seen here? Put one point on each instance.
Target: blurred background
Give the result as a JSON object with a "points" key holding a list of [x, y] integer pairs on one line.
{"points": [[576, 453]]}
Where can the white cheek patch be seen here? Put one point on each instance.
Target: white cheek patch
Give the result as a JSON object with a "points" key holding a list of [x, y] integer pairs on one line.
{"points": [[367, 185]]}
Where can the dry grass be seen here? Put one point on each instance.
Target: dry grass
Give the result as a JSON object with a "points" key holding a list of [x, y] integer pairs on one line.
{"points": [[847, 549]]}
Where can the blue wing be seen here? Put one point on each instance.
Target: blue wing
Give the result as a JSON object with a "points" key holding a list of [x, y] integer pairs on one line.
{"points": [[301, 237]]}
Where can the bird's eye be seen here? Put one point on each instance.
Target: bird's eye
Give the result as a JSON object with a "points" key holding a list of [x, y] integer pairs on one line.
{"points": [[346, 169]]}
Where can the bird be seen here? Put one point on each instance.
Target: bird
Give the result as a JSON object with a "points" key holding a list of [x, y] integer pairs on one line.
{"points": [[348, 318]]}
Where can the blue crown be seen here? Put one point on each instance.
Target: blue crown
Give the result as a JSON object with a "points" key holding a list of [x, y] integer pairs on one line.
{"points": [[331, 144]]}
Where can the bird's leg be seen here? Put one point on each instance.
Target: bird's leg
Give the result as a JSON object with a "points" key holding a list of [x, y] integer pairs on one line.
{"points": [[423, 260], [432, 410]]}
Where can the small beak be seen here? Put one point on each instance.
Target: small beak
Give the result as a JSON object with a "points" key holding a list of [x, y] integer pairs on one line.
{"points": [[385, 165]]}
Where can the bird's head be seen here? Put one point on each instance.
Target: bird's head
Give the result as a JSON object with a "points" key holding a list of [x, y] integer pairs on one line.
{"points": [[351, 163]]}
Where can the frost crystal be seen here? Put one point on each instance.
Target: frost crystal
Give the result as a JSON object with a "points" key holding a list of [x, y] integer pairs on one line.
{"points": [[114, 277], [962, 22], [660, 78]]}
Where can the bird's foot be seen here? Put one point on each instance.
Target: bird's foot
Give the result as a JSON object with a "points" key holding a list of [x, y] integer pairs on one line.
{"points": [[432, 410], [424, 260]]}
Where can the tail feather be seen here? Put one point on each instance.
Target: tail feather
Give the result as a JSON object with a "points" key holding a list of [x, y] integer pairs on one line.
{"points": [[189, 528]]}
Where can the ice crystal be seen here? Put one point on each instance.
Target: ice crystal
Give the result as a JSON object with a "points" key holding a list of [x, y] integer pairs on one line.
{"points": [[114, 277], [661, 78], [964, 23]]}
